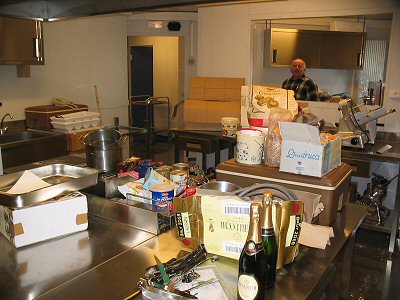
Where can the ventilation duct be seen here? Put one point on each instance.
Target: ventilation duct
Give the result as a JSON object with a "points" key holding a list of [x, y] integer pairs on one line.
{"points": [[62, 9]]}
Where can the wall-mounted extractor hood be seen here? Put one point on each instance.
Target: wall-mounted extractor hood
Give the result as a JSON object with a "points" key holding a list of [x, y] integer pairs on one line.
{"points": [[61, 9]]}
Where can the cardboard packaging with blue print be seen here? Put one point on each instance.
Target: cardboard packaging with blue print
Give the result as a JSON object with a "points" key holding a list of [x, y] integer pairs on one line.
{"points": [[303, 152]]}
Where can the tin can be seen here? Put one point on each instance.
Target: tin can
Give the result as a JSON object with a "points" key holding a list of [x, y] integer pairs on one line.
{"points": [[164, 171], [179, 178], [162, 195], [181, 166]]}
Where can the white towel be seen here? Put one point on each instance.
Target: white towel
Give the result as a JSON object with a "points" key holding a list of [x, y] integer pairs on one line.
{"points": [[316, 236]]}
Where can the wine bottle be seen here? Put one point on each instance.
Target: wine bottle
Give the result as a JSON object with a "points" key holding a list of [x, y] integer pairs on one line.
{"points": [[269, 239], [252, 263]]}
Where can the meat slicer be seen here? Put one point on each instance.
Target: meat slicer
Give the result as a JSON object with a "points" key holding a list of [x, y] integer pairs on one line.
{"points": [[358, 128]]}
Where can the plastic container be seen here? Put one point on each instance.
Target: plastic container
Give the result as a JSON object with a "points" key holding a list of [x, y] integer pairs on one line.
{"points": [[229, 126], [333, 187], [250, 146]]}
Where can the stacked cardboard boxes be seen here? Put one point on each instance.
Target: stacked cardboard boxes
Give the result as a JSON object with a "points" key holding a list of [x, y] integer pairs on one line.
{"points": [[210, 99]]}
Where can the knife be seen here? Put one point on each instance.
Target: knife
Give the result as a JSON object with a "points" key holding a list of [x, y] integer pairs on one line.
{"points": [[161, 268]]}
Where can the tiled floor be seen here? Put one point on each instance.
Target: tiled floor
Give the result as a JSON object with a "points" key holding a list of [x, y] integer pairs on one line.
{"points": [[367, 280]]}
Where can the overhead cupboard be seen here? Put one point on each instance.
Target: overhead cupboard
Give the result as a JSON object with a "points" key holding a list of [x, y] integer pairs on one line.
{"points": [[320, 49], [21, 41]]}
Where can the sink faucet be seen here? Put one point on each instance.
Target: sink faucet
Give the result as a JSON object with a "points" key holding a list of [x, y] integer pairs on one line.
{"points": [[3, 128]]}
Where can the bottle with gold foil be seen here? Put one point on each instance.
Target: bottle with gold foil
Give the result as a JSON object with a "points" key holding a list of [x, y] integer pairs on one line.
{"points": [[252, 262], [269, 239]]}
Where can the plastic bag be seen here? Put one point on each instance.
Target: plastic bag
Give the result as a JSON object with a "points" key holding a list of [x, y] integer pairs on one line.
{"points": [[273, 141]]}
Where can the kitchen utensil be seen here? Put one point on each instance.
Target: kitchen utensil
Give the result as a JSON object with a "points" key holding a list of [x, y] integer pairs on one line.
{"points": [[161, 268], [223, 186], [98, 104], [62, 179], [103, 148]]}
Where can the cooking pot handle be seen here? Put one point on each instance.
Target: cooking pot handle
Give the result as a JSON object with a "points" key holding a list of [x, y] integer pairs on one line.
{"points": [[124, 138]]}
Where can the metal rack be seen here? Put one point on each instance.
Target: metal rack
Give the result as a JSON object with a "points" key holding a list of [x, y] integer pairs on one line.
{"points": [[149, 103]]}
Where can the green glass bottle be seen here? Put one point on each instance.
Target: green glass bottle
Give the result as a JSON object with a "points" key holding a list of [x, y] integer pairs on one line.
{"points": [[252, 263], [269, 239]]}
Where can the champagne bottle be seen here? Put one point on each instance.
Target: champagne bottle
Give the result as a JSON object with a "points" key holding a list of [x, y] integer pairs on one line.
{"points": [[252, 263], [269, 239]]}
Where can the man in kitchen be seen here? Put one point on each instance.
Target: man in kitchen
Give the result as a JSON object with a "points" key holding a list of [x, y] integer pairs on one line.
{"points": [[304, 87]]}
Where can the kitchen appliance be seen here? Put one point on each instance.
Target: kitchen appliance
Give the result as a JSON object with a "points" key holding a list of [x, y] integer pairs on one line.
{"points": [[375, 93], [373, 197], [357, 127]]}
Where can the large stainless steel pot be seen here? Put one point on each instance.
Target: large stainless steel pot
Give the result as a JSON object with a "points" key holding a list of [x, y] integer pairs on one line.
{"points": [[103, 148]]}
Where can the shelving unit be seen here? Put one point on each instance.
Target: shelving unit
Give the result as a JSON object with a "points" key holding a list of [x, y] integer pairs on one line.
{"points": [[149, 103]]}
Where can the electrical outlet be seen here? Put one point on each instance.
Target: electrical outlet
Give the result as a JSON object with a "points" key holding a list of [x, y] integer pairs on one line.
{"points": [[394, 93]]}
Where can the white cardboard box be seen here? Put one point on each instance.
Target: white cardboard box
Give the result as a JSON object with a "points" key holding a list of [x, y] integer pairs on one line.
{"points": [[302, 151], [41, 222]]}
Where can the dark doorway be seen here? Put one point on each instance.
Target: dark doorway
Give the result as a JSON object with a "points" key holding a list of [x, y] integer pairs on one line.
{"points": [[141, 83]]}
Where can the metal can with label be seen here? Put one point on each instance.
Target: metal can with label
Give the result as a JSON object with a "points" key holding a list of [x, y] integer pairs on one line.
{"points": [[181, 166], [162, 195], [180, 179], [164, 171]]}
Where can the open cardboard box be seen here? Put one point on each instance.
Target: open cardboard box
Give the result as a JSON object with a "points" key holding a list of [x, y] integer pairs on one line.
{"points": [[302, 151], [220, 220], [52, 218]]}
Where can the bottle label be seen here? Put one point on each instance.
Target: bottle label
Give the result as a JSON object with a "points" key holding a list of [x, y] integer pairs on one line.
{"points": [[247, 287], [252, 248], [293, 232], [183, 224], [267, 232]]}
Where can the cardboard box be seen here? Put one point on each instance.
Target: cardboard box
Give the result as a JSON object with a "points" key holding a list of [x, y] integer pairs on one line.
{"points": [[210, 99], [302, 151], [52, 218], [215, 88], [38, 117], [200, 114], [74, 143], [220, 220]]}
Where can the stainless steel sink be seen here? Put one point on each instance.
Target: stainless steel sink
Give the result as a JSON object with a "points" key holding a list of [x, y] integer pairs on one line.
{"points": [[18, 148], [21, 136]]}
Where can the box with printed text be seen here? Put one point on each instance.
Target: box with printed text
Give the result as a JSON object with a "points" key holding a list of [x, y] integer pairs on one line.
{"points": [[303, 152]]}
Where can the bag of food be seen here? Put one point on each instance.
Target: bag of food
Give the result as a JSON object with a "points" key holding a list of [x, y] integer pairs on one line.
{"points": [[273, 140]]}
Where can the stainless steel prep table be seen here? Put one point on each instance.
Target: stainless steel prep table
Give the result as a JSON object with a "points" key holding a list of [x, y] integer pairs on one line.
{"points": [[368, 154], [106, 261], [204, 142], [35, 270]]}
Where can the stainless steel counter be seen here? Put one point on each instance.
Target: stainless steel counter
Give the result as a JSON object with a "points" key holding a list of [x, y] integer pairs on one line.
{"points": [[34, 270], [106, 261]]}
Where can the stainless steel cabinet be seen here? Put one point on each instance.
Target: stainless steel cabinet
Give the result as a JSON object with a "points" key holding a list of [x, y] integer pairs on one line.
{"points": [[320, 49], [342, 50], [21, 41], [282, 46]]}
